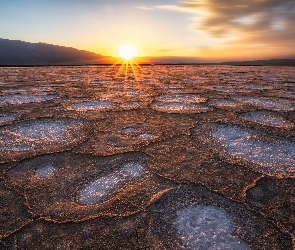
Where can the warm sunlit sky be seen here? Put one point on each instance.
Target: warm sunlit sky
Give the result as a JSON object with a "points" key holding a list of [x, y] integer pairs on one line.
{"points": [[204, 29]]}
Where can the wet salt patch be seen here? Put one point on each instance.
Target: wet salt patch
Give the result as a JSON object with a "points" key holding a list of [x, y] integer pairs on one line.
{"points": [[93, 105], [269, 158], [265, 118], [46, 171], [8, 118], [102, 188], [186, 98], [22, 99], [207, 227], [223, 103], [267, 103], [178, 107]]}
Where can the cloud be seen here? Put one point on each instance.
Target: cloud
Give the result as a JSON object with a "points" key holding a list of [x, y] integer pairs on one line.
{"points": [[144, 7], [174, 8], [271, 21]]}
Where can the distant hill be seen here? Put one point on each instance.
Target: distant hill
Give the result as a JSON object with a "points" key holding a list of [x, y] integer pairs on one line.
{"points": [[271, 62], [19, 53]]}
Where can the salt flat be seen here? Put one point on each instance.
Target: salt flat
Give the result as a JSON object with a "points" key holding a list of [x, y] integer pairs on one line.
{"points": [[172, 157]]}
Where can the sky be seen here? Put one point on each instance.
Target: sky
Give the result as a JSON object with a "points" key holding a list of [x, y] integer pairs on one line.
{"points": [[207, 30]]}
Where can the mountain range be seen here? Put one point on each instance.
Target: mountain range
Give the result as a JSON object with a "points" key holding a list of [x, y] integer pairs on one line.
{"points": [[20, 53]]}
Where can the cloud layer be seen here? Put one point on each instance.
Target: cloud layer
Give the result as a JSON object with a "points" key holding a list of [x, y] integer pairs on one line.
{"points": [[267, 24]]}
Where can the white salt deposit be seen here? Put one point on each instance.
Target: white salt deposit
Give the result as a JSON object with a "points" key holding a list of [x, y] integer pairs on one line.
{"points": [[92, 105], [276, 159], [103, 187], [179, 107], [10, 117], [223, 103], [24, 98], [46, 171], [181, 98], [274, 104], [129, 130], [207, 227], [146, 135], [265, 118]]}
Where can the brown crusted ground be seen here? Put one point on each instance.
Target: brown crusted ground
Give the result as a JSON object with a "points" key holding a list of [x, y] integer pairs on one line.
{"points": [[184, 165]]}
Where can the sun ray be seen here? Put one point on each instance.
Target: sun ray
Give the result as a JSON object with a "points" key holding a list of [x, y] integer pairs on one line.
{"points": [[128, 65]]}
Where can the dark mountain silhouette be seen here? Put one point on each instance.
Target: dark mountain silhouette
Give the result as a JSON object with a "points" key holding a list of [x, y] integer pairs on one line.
{"points": [[19, 53], [290, 61]]}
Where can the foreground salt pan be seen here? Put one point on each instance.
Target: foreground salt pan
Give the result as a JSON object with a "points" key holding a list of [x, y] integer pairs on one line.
{"points": [[88, 186]]}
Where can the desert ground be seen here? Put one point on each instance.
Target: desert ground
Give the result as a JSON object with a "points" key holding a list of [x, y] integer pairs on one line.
{"points": [[165, 157]]}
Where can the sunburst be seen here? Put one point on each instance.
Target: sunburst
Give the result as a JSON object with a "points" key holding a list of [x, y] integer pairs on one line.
{"points": [[128, 64]]}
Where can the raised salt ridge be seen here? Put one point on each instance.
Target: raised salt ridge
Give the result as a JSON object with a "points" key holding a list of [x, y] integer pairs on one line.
{"points": [[24, 98], [5, 119], [265, 118], [102, 188], [276, 159], [92, 105], [274, 104], [207, 227]]}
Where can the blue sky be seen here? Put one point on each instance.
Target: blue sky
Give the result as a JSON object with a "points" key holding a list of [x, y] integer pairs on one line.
{"points": [[209, 29]]}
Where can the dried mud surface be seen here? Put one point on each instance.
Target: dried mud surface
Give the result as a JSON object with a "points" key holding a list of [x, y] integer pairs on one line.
{"points": [[167, 157]]}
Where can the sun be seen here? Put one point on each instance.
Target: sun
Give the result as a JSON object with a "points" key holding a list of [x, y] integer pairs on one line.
{"points": [[127, 52]]}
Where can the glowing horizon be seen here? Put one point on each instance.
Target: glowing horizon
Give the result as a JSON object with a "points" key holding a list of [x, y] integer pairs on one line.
{"points": [[201, 29]]}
